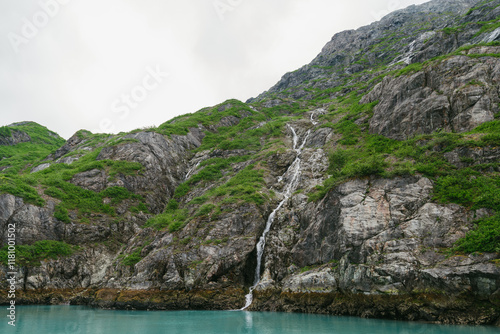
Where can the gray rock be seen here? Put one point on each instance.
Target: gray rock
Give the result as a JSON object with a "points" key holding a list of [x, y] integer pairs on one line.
{"points": [[40, 167], [16, 137], [456, 95]]}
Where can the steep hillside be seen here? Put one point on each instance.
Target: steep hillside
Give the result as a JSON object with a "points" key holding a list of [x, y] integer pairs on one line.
{"points": [[372, 173]]}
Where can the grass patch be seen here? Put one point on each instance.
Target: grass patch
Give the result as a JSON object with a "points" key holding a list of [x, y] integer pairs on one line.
{"points": [[32, 255], [132, 259]]}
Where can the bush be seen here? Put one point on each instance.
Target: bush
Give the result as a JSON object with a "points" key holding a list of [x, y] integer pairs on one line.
{"points": [[31, 255], [484, 238], [181, 190], [5, 131], [373, 166], [17, 186], [132, 259], [205, 210], [174, 220], [469, 188], [61, 213]]}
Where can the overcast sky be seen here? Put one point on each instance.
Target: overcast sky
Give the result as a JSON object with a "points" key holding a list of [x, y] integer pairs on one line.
{"points": [[118, 65]]}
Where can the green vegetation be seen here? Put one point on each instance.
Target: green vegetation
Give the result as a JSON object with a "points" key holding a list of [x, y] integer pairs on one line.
{"points": [[207, 117], [361, 154], [19, 187], [214, 168], [38, 134], [32, 255], [244, 187], [132, 259], [5, 131], [415, 67], [174, 220], [484, 238], [489, 26], [54, 181], [251, 135], [43, 142], [469, 188]]}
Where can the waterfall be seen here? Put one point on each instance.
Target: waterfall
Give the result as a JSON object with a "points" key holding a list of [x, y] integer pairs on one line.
{"points": [[188, 175], [294, 169], [314, 112]]}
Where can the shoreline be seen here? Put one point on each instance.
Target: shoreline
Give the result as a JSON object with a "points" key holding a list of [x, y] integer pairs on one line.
{"points": [[424, 307]]}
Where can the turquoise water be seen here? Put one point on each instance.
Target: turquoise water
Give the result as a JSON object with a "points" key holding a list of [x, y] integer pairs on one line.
{"points": [[80, 320]]}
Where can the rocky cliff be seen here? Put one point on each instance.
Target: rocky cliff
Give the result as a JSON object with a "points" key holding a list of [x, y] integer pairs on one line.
{"points": [[373, 171]]}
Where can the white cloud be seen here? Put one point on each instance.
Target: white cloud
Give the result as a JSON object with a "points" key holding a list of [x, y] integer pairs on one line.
{"points": [[91, 52]]}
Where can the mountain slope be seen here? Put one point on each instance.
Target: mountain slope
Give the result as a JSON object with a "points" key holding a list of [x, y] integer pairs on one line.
{"points": [[375, 168]]}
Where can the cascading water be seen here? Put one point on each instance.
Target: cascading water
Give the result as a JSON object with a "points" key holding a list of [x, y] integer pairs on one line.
{"points": [[188, 175], [294, 169]]}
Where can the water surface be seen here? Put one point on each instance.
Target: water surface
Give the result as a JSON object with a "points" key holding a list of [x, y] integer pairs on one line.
{"points": [[80, 320]]}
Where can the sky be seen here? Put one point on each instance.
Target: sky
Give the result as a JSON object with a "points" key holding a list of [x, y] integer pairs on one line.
{"points": [[118, 65]]}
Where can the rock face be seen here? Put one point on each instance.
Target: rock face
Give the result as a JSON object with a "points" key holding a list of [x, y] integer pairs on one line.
{"points": [[164, 162], [15, 138], [371, 247], [455, 96], [380, 237]]}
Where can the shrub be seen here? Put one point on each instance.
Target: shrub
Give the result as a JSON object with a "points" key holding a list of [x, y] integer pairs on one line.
{"points": [[174, 220], [469, 188], [132, 259], [5, 131], [484, 238], [61, 213], [204, 210], [31, 255]]}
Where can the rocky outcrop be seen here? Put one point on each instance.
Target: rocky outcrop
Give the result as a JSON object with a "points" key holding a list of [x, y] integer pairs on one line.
{"points": [[456, 95], [33, 223], [421, 36], [471, 156], [16, 137], [381, 239], [164, 162], [380, 236]]}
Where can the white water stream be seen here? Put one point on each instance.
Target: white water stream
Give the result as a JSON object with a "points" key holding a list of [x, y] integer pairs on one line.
{"points": [[294, 170], [188, 175]]}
